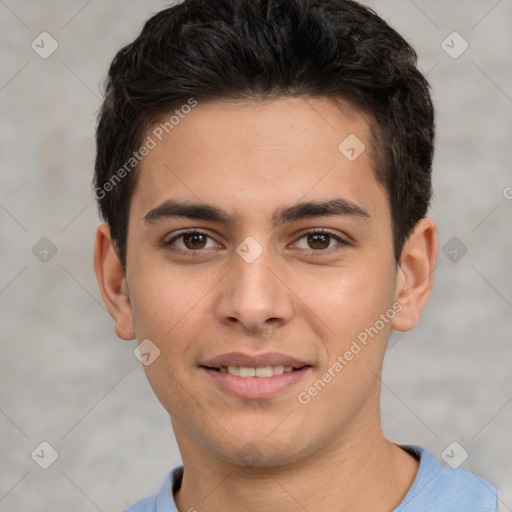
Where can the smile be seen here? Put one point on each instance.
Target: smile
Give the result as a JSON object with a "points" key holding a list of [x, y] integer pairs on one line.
{"points": [[261, 371], [256, 375]]}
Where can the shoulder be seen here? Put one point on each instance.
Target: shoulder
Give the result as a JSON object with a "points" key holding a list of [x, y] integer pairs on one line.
{"points": [[146, 505], [446, 489], [163, 500]]}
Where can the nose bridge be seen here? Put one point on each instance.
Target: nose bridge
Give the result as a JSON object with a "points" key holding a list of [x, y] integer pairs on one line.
{"points": [[253, 297]]}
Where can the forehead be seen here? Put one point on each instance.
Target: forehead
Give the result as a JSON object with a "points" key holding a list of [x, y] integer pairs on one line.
{"points": [[254, 156]]}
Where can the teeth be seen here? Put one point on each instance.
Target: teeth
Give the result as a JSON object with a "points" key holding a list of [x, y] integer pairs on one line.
{"points": [[234, 370], [247, 372], [278, 369], [262, 371]]}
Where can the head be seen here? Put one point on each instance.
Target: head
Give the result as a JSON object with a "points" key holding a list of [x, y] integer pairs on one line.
{"points": [[200, 51], [250, 122]]}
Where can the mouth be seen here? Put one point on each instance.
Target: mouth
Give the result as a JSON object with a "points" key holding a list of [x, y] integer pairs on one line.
{"points": [[255, 377], [260, 371]]}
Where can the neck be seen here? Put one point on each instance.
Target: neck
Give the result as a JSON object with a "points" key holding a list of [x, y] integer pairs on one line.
{"points": [[362, 472]]}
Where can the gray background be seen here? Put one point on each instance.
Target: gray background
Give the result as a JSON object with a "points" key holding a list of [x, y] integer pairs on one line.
{"points": [[65, 377]]}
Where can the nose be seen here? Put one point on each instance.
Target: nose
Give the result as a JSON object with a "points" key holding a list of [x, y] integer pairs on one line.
{"points": [[254, 298]]}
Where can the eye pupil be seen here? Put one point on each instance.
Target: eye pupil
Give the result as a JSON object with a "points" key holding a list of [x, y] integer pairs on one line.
{"points": [[319, 240], [194, 240]]}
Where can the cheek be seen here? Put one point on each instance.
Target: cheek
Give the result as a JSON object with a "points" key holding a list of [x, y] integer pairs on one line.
{"points": [[168, 307], [358, 311], [352, 299], [166, 312], [162, 297]]}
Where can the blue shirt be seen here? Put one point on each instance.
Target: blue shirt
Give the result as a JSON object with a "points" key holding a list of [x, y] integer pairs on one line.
{"points": [[435, 488]]}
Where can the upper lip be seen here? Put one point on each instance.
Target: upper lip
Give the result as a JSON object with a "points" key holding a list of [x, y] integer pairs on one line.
{"points": [[253, 361]]}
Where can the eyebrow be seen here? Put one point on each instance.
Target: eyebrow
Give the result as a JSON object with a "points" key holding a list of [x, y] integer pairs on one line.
{"points": [[206, 212]]}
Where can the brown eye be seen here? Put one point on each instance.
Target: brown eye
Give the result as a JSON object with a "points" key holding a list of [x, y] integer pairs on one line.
{"points": [[191, 242], [194, 241], [319, 240]]}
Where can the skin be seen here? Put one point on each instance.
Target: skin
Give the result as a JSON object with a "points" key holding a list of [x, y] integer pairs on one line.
{"points": [[311, 301]]}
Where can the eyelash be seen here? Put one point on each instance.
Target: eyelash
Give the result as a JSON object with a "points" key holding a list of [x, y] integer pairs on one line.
{"points": [[178, 250]]}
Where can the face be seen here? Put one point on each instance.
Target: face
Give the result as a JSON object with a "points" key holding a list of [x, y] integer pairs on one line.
{"points": [[260, 266]]}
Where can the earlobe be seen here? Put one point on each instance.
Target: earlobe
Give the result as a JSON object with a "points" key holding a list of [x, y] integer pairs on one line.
{"points": [[415, 274], [112, 283]]}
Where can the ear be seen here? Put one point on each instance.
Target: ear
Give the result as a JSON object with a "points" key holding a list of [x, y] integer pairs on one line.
{"points": [[415, 274], [112, 283]]}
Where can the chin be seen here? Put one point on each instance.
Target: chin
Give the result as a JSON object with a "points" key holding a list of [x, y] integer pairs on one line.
{"points": [[254, 455], [263, 450]]}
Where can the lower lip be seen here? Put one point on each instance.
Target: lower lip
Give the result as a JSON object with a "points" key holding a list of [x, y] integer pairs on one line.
{"points": [[256, 387]]}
